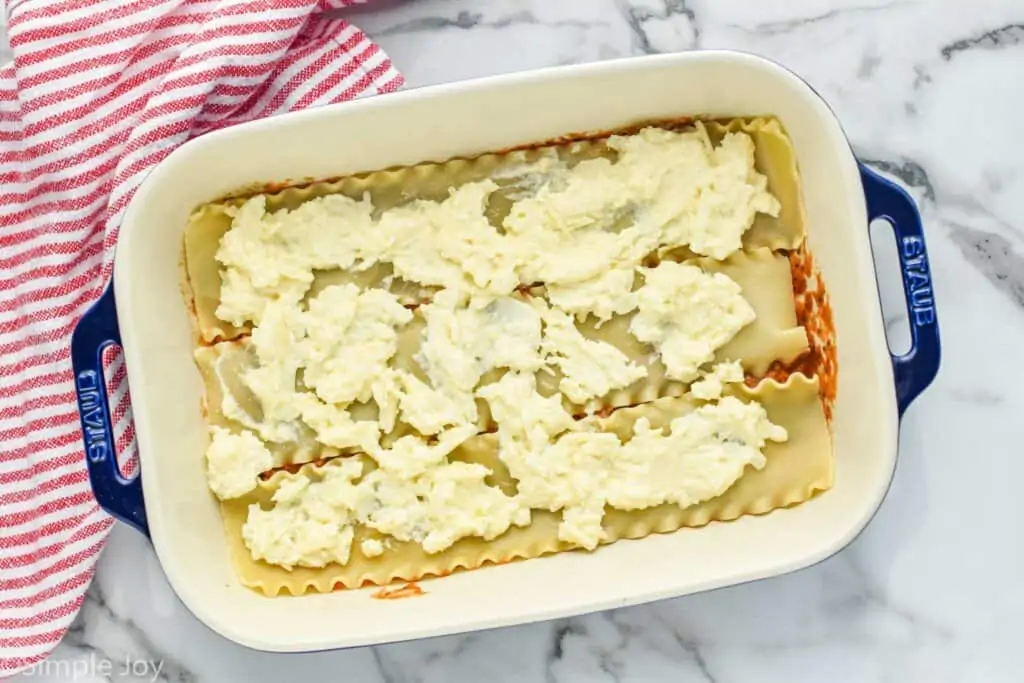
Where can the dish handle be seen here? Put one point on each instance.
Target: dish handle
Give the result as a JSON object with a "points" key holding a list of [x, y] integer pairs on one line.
{"points": [[915, 369], [118, 495]]}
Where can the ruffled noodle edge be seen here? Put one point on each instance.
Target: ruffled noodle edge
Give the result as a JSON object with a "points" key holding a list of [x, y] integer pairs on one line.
{"points": [[796, 470]]}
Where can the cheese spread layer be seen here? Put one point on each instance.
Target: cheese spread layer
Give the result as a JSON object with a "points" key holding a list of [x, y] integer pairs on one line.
{"points": [[559, 464], [582, 232], [663, 189], [271, 256], [351, 336], [687, 314], [310, 523], [234, 461], [711, 383], [460, 344], [603, 296], [590, 368], [414, 494]]}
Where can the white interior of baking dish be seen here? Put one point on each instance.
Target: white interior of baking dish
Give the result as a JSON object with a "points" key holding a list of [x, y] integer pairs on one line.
{"points": [[463, 119]]}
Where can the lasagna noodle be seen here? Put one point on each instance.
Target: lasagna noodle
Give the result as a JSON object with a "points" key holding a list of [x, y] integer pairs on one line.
{"points": [[774, 336], [795, 471], [516, 174], [775, 159]]}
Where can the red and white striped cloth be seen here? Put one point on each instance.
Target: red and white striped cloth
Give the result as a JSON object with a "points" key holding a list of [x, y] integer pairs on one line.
{"points": [[100, 91]]}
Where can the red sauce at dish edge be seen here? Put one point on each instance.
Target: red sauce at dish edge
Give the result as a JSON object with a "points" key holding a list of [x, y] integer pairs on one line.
{"points": [[409, 590], [814, 314]]}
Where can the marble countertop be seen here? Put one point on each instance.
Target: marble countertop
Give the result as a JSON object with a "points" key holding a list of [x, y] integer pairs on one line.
{"points": [[929, 91]]}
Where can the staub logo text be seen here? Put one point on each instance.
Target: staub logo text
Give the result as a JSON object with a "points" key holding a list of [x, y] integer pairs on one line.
{"points": [[90, 405], [919, 284]]}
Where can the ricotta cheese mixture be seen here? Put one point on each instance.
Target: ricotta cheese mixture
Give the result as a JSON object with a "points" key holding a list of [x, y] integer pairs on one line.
{"points": [[560, 464], [482, 335], [351, 336], [271, 256], [460, 344], [590, 368], [710, 385], [450, 243], [687, 314], [414, 494], [234, 461], [664, 189], [606, 295], [310, 523]]}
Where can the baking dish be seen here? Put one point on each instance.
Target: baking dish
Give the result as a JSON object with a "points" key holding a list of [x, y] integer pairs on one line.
{"points": [[142, 312]]}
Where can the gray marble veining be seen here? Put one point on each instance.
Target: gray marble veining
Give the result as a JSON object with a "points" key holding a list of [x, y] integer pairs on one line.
{"points": [[995, 256], [928, 91], [1004, 36]]}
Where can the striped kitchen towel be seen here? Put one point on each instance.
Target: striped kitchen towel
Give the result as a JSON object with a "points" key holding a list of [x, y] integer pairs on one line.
{"points": [[98, 92]]}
